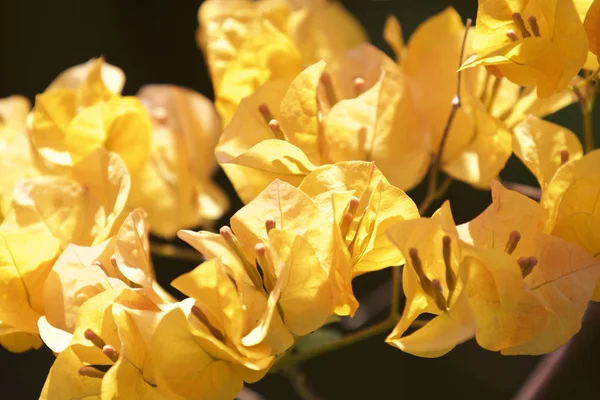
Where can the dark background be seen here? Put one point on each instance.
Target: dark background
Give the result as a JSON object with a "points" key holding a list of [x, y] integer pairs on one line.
{"points": [[153, 42]]}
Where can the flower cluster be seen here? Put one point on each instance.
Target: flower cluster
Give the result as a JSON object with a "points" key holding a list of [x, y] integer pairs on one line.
{"points": [[323, 133]]}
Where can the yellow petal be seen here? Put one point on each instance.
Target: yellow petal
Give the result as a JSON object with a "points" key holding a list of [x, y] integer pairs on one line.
{"points": [[307, 298], [84, 210], [425, 235], [539, 144], [73, 280], [217, 296], [510, 211], [293, 212], [564, 280], [18, 342], [120, 125], [392, 34], [132, 250], [22, 276], [225, 25], [349, 126], [268, 160], [105, 176], [174, 186], [132, 376], [183, 369], [299, 109], [324, 29], [562, 196], [438, 336], [265, 55], [506, 313], [532, 104], [547, 60], [486, 154], [65, 383], [591, 23], [53, 112], [381, 203], [112, 77]]}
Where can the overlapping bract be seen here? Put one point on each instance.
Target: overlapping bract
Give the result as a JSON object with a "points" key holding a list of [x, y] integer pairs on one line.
{"points": [[165, 136]]}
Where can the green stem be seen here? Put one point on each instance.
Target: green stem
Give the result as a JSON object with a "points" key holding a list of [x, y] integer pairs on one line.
{"points": [[435, 193], [586, 111], [346, 341]]}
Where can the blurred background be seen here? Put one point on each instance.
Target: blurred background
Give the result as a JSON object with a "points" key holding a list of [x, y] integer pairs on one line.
{"points": [[153, 42]]}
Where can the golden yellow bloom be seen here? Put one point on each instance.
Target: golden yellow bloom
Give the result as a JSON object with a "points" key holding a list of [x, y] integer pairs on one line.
{"points": [[544, 147], [326, 115], [17, 157], [199, 347], [530, 42], [559, 277], [432, 285], [478, 142], [251, 292], [248, 43], [50, 211], [108, 333], [376, 205], [299, 266], [84, 207], [571, 199], [69, 122], [22, 276], [82, 272], [175, 186]]}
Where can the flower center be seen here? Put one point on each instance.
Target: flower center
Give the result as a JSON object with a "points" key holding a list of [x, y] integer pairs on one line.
{"points": [[433, 287], [526, 264], [522, 27]]}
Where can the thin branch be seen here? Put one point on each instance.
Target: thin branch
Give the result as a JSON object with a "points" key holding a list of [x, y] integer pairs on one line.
{"points": [[432, 190]]}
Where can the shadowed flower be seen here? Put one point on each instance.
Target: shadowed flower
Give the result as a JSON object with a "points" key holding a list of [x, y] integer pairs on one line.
{"points": [[175, 186]]}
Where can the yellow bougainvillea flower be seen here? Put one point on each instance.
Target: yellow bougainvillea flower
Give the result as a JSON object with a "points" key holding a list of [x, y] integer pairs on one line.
{"points": [[245, 46], [17, 157], [432, 285], [286, 220], [70, 123], [22, 276], [375, 206], [198, 347], [544, 147], [571, 199], [530, 42], [251, 293], [478, 142], [327, 114], [175, 186], [108, 337], [559, 276], [248, 43], [85, 207], [82, 272]]}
